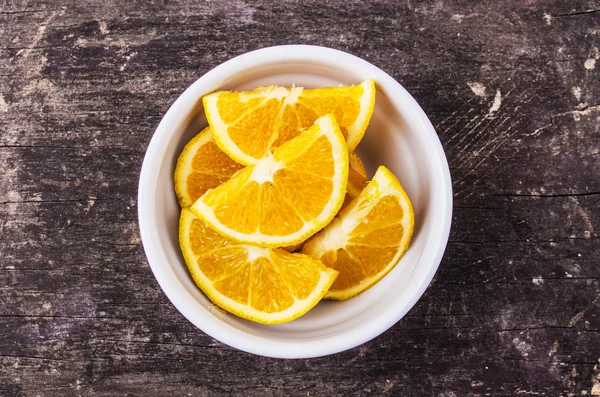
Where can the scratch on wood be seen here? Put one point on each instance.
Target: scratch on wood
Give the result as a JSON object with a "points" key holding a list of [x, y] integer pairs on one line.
{"points": [[590, 231], [591, 11], [539, 130], [464, 133], [503, 137], [461, 132], [39, 35], [576, 318], [441, 123], [16, 12]]}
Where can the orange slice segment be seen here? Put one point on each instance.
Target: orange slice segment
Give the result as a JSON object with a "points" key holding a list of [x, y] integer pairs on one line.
{"points": [[356, 164], [368, 238], [201, 166], [285, 197], [249, 125], [265, 285], [357, 178]]}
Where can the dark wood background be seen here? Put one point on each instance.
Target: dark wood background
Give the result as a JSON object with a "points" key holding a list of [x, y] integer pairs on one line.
{"points": [[513, 88]]}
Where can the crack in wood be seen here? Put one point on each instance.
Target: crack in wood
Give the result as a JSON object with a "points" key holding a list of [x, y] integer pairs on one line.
{"points": [[570, 14], [526, 241], [16, 12], [452, 315], [41, 147], [63, 317], [48, 389], [158, 343], [553, 361], [37, 358], [476, 207], [536, 195], [515, 282], [579, 111], [540, 328], [59, 201], [38, 47]]}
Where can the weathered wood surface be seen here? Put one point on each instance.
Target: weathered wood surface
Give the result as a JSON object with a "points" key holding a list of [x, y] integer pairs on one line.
{"points": [[513, 88]]}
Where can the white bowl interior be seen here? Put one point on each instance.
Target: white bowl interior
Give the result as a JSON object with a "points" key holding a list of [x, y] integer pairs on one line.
{"points": [[395, 138]]}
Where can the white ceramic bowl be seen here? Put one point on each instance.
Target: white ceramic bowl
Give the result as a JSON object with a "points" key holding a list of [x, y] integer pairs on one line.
{"points": [[399, 136]]}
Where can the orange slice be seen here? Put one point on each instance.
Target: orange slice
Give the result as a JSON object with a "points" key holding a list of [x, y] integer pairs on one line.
{"points": [[285, 197], [356, 164], [248, 125], [201, 166], [265, 285], [368, 238], [357, 178]]}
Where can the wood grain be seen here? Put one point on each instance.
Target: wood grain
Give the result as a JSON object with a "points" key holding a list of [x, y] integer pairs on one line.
{"points": [[513, 88]]}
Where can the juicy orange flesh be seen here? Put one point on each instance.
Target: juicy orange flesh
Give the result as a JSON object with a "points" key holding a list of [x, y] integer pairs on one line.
{"points": [[253, 132], [386, 212], [198, 183], [356, 183], [342, 102], [211, 168], [279, 207], [357, 179], [232, 106], [239, 208], [288, 126], [372, 244], [278, 217], [313, 161], [270, 293], [229, 271], [306, 115], [300, 278], [210, 159], [356, 164], [269, 283], [203, 239], [293, 188], [256, 124]]}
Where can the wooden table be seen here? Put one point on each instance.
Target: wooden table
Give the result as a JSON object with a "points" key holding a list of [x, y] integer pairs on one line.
{"points": [[513, 88]]}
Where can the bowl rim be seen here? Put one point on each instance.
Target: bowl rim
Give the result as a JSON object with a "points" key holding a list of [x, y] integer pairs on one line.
{"points": [[184, 302]]}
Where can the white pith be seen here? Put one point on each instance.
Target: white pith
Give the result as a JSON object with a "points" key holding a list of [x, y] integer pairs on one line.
{"points": [[292, 97], [256, 252], [265, 169]]}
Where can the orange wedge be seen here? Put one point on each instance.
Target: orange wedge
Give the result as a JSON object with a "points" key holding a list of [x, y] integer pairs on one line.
{"points": [[285, 197], [368, 237], [248, 125], [201, 166], [265, 285]]}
